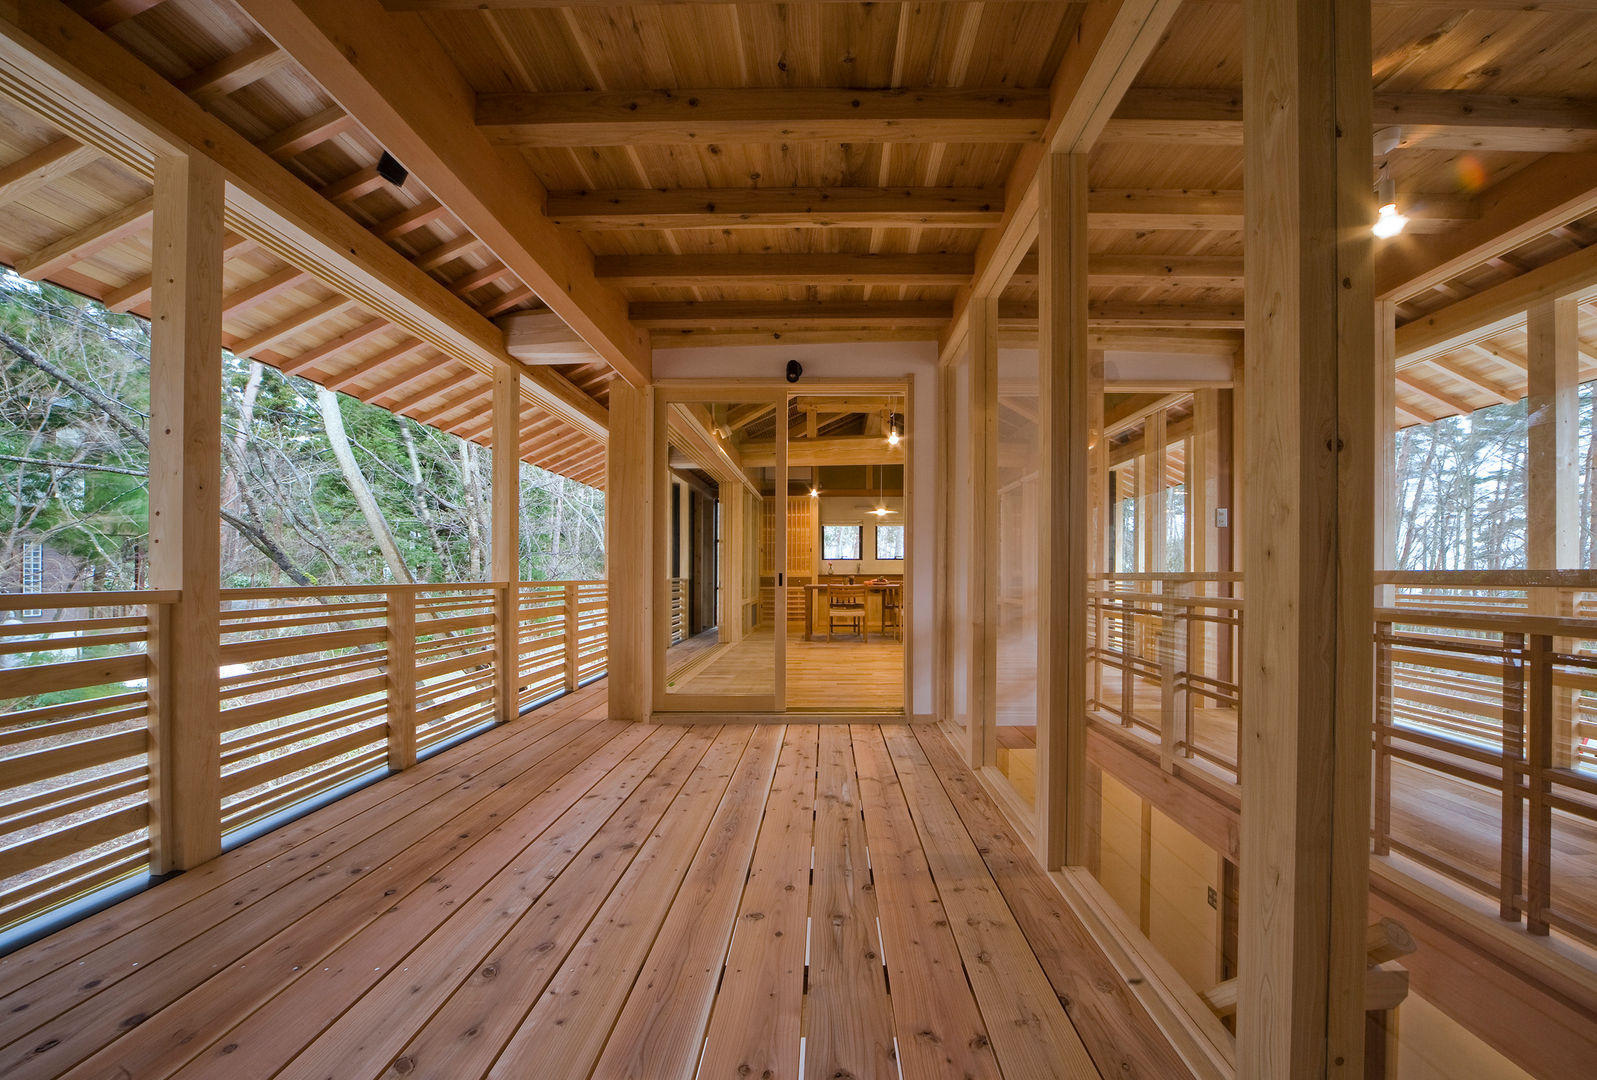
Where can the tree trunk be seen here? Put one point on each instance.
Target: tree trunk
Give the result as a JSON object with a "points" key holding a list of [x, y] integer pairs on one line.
{"points": [[333, 420]]}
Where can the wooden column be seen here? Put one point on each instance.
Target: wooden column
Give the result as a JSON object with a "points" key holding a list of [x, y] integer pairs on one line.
{"points": [[401, 678], [629, 551], [1155, 529], [983, 525], [1065, 394], [1552, 483], [1310, 483], [185, 513], [1384, 404], [1098, 516], [507, 536], [1552, 410]]}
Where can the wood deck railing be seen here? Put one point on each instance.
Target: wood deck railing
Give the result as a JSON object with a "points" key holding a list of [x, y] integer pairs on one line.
{"points": [[1484, 736], [320, 687]]}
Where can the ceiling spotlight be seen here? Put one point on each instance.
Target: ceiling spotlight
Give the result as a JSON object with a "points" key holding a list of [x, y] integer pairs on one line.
{"points": [[815, 493], [1388, 222]]}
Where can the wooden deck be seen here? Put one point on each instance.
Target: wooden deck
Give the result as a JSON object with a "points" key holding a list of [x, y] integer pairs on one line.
{"points": [[822, 676], [571, 896]]}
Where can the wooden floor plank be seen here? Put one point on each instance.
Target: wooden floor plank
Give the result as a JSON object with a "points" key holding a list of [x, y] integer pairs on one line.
{"points": [[849, 1023], [457, 999], [1116, 1029], [755, 1028], [376, 802], [444, 918], [1032, 1036], [936, 1019], [677, 884], [86, 1014], [390, 902]]}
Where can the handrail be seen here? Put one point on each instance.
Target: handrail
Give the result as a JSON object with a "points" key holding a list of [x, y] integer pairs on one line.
{"points": [[1491, 579], [1184, 575], [1550, 625], [128, 598]]}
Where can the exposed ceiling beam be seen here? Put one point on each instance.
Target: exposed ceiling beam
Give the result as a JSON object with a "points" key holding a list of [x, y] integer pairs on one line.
{"points": [[1524, 207], [409, 220], [263, 290], [1188, 271], [761, 315], [1112, 42], [1491, 310], [1450, 401], [48, 163], [541, 337], [1434, 120], [776, 208], [367, 61], [1503, 394], [835, 450], [763, 115], [666, 271], [109, 230], [1022, 315]]}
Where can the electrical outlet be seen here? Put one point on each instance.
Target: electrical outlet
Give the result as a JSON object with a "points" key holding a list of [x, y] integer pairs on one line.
{"points": [[1222, 517], [1214, 899]]}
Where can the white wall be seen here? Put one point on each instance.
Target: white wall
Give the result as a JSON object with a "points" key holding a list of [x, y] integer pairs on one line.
{"points": [[916, 360]]}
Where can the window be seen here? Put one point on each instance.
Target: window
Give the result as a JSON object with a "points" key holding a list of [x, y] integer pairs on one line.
{"points": [[889, 542], [32, 573], [840, 542]]}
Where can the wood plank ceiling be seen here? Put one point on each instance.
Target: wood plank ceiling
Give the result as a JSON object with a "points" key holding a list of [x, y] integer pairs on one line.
{"points": [[801, 171]]}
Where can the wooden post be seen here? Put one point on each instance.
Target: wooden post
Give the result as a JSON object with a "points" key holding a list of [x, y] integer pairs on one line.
{"points": [[573, 641], [630, 553], [1385, 406], [401, 678], [1173, 696], [1381, 842], [1064, 405], [1538, 760], [1307, 673], [1203, 495], [1552, 482], [1098, 516], [1156, 529], [983, 525], [185, 513], [507, 537], [1512, 860]]}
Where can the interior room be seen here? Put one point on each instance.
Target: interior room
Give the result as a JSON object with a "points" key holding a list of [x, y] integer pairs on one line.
{"points": [[799, 539]]}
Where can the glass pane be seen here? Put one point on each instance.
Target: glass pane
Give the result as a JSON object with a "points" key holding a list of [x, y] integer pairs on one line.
{"points": [[1019, 461], [845, 646], [730, 539]]}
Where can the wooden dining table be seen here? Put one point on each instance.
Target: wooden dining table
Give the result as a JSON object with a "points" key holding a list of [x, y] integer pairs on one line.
{"points": [[811, 602]]}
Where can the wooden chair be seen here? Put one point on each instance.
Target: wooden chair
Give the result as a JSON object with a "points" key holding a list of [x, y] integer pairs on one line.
{"points": [[893, 611], [846, 602]]}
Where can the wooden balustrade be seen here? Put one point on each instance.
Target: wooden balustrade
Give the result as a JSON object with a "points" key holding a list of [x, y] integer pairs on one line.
{"points": [[321, 687], [1484, 733], [1172, 637]]}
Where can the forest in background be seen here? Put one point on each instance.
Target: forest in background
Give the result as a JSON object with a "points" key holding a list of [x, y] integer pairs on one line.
{"points": [[317, 488]]}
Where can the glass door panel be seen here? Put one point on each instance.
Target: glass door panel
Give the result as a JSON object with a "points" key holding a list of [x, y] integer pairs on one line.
{"points": [[728, 450], [846, 518]]}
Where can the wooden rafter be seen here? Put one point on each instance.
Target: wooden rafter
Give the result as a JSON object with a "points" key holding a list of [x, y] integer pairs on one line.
{"points": [[657, 271], [346, 340], [88, 80], [250, 64], [754, 115], [394, 352], [311, 131], [109, 230], [136, 293], [740, 314], [300, 320], [367, 60], [44, 165], [263, 290], [1433, 121], [1525, 206], [776, 208], [409, 220], [1503, 394]]}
